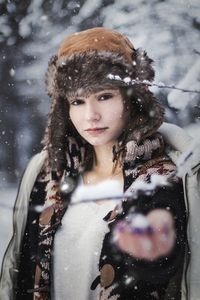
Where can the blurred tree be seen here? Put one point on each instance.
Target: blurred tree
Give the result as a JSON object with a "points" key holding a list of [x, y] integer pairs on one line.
{"points": [[10, 41]]}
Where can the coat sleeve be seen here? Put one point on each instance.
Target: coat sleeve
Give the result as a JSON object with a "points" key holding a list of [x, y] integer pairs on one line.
{"points": [[124, 275], [170, 198], [9, 269]]}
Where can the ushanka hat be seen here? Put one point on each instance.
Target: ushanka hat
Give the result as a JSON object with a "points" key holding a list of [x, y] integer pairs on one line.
{"points": [[96, 59]]}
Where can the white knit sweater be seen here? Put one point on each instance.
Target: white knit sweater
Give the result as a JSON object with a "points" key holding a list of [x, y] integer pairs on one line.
{"points": [[77, 250]]}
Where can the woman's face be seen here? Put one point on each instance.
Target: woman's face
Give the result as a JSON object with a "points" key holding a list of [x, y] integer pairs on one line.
{"points": [[100, 117]]}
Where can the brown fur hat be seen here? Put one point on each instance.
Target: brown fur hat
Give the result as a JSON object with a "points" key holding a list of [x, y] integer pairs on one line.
{"points": [[93, 60], [85, 59]]}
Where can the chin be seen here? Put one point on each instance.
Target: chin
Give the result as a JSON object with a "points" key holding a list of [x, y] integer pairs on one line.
{"points": [[96, 143], [101, 142]]}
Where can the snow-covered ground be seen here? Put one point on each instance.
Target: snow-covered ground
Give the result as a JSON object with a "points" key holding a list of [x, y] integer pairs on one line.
{"points": [[7, 199]]}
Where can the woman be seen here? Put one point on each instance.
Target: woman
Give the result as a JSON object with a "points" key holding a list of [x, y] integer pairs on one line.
{"points": [[102, 125]]}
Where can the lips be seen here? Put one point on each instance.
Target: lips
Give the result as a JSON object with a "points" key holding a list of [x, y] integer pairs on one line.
{"points": [[94, 131]]}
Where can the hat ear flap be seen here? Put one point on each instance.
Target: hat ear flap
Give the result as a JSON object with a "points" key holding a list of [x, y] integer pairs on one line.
{"points": [[144, 69], [50, 76], [146, 115]]}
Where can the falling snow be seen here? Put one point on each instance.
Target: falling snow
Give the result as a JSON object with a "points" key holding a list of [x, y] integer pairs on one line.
{"points": [[171, 41]]}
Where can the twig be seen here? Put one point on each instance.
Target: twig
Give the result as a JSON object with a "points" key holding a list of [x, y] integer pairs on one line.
{"points": [[174, 88], [128, 81], [196, 51]]}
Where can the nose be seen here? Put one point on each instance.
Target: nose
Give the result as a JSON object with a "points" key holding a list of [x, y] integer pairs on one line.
{"points": [[92, 112]]}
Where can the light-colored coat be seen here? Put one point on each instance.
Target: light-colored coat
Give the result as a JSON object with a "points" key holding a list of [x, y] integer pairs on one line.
{"points": [[179, 141], [186, 155]]}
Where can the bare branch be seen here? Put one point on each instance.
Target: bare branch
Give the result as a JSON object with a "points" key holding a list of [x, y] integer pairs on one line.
{"points": [[128, 81], [196, 51], [173, 87]]}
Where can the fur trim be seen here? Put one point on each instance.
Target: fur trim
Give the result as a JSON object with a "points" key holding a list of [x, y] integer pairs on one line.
{"points": [[86, 72], [148, 115], [144, 70], [50, 79]]}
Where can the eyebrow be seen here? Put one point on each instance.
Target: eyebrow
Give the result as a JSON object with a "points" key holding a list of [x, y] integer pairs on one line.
{"points": [[106, 92], [72, 97]]}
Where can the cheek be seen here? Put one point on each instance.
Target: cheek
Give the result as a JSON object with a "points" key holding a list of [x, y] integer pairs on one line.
{"points": [[71, 116], [120, 115], [76, 122], [75, 117]]}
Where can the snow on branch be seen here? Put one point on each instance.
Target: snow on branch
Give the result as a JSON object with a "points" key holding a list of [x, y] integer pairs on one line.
{"points": [[129, 82]]}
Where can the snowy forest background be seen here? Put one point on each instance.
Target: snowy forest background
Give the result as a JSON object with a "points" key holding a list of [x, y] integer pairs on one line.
{"points": [[30, 32]]}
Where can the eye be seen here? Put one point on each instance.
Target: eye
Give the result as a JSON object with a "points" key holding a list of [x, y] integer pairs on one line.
{"points": [[104, 97], [76, 102]]}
